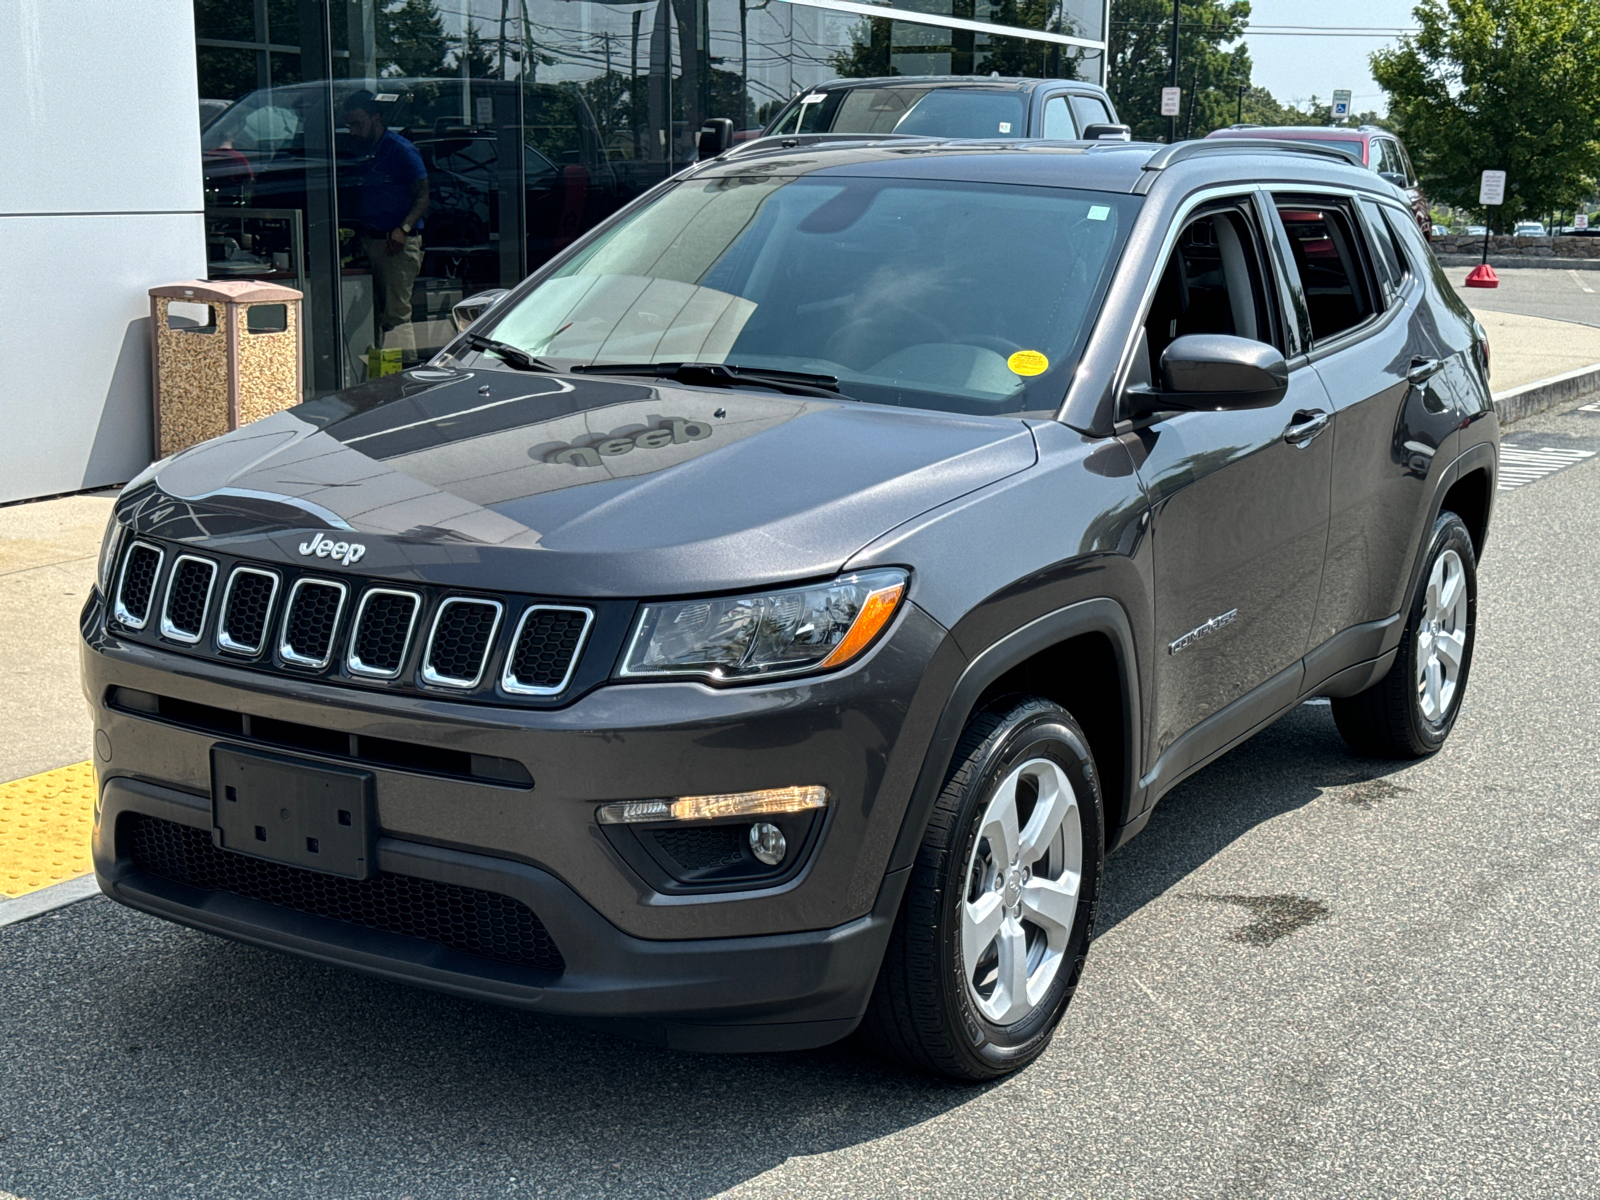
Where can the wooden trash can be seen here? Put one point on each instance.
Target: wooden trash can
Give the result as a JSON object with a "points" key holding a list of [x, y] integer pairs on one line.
{"points": [[212, 376]]}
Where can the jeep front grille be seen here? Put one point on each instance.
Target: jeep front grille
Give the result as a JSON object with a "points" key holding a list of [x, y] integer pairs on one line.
{"points": [[310, 621], [382, 632], [462, 634], [183, 617], [137, 586], [545, 649], [246, 610]]}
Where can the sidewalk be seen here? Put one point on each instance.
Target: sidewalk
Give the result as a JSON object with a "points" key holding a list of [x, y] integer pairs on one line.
{"points": [[48, 552]]}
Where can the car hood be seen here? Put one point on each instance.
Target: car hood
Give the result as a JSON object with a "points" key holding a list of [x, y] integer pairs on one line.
{"points": [[574, 485]]}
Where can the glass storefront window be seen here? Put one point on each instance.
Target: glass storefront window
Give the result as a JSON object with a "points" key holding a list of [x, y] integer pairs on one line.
{"points": [[529, 122]]}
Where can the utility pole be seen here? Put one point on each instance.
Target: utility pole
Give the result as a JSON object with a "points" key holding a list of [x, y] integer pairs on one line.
{"points": [[1177, 17], [1243, 88]]}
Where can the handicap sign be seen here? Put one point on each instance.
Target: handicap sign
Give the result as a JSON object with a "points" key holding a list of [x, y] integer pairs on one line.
{"points": [[1341, 104]]}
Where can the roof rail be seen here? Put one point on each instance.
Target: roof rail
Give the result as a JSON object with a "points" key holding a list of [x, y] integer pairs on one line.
{"points": [[788, 141], [1179, 152]]}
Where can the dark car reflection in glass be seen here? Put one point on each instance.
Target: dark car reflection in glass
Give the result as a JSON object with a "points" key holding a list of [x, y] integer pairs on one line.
{"points": [[515, 171]]}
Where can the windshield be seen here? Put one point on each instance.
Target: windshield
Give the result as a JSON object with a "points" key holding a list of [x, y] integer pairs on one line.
{"points": [[930, 294], [924, 112]]}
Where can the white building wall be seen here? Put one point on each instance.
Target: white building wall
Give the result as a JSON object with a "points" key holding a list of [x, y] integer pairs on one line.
{"points": [[100, 199]]}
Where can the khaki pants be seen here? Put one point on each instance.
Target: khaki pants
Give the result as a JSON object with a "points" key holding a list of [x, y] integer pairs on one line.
{"points": [[392, 278]]}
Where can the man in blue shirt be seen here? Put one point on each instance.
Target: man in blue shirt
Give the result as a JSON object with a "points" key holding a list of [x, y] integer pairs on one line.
{"points": [[391, 202]]}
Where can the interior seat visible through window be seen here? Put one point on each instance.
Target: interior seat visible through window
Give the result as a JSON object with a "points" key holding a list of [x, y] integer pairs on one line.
{"points": [[1212, 283], [1325, 247]]}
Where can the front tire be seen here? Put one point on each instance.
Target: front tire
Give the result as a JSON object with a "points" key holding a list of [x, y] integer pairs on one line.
{"points": [[1411, 710], [999, 910]]}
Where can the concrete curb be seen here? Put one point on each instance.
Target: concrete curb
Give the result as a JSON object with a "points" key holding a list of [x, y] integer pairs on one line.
{"points": [[48, 899], [1516, 403], [1510, 262]]}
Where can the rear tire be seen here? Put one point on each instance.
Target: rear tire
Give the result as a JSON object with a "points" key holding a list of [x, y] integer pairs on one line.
{"points": [[998, 913], [1410, 711]]}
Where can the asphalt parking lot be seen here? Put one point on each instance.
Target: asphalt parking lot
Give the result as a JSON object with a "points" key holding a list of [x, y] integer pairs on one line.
{"points": [[1316, 975]]}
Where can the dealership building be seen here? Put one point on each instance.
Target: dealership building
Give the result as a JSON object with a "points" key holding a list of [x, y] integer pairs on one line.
{"points": [[165, 141]]}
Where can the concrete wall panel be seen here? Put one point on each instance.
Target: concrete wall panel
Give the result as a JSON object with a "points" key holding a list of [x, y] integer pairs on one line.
{"points": [[75, 394], [100, 199], [100, 98]]}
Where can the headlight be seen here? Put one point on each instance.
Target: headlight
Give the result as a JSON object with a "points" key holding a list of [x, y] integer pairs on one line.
{"points": [[108, 554], [818, 627]]}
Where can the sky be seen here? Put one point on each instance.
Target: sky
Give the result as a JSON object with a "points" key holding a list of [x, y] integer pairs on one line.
{"points": [[1301, 65]]}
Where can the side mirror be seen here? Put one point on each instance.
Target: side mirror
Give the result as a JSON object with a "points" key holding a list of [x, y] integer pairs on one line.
{"points": [[1214, 372], [1107, 133], [1393, 177], [716, 135], [465, 312]]}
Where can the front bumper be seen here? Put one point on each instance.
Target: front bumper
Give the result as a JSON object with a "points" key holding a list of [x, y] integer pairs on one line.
{"points": [[786, 966]]}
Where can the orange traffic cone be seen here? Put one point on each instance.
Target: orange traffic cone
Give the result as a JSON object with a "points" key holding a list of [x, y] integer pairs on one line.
{"points": [[1483, 276]]}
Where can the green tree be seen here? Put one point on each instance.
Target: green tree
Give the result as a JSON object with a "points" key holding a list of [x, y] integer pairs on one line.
{"points": [[1512, 85], [411, 40], [1140, 63]]}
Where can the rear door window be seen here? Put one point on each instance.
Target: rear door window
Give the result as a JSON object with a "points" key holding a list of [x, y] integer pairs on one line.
{"points": [[1389, 257], [1090, 110], [1330, 255], [1057, 120]]}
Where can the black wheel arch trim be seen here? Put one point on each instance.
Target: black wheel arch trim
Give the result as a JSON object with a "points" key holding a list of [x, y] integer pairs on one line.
{"points": [[1100, 615], [1483, 456]]}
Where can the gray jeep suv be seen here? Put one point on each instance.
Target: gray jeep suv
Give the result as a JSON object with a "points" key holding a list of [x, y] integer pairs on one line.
{"points": [[763, 622]]}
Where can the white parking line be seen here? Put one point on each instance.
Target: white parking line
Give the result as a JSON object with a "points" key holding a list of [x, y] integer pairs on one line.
{"points": [[1521, 465], [1577, 278]]}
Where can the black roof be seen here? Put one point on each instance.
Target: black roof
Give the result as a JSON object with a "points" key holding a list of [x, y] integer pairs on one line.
{"points": [[977, 83], [1108, 166]]}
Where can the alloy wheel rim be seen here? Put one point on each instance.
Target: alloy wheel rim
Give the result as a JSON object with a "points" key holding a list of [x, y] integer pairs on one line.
{"points": [[1442, 637], [1021, 897]]}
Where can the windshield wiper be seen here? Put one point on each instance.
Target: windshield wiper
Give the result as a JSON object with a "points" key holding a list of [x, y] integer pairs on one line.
{"points": [[797, 383], [509, 354]]}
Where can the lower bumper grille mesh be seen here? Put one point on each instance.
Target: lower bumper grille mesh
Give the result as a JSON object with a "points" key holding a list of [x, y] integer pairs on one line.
{"points": [[472, 921]]}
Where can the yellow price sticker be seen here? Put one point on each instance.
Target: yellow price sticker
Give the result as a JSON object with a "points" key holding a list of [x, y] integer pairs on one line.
{"points": [[1028, 362]]}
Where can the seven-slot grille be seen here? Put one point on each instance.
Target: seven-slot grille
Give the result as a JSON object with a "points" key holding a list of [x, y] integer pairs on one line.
{"points": [[188, 596], [545, 649], [378, 642], [382, 635], [246, 610], [459, 644], [310, 620], [137, 587]]}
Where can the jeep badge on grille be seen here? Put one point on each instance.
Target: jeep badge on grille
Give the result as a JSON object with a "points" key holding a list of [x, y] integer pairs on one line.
{"points": [[345, 552]]}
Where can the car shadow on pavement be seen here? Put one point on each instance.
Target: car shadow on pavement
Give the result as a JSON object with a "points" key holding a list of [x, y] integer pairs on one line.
{"points": [[144, 1059], [1285, 767]]}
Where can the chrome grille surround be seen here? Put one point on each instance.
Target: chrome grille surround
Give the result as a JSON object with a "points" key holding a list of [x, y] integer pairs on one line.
{"points": [[429, 674], [286, 651], [169, 627], [353, 658], [225, 639], [509, 682], [119, 608]]}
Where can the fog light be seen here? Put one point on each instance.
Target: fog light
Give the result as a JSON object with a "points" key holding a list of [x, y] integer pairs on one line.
{"points": [[706, 808], [767, 844]]}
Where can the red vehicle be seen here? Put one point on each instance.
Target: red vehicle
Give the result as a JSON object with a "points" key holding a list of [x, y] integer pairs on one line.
{"points": [[1376, 149]]}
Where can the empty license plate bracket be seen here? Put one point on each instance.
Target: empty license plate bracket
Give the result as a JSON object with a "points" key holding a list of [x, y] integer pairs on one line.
{"points": [[291, 811]]}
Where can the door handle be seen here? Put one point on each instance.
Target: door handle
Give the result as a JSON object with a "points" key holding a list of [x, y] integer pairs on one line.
{"points": [[1423, 369], [1306, 425]]}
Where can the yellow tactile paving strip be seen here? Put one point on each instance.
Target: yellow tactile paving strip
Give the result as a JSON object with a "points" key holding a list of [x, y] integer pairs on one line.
{"points": [[45, 823]]}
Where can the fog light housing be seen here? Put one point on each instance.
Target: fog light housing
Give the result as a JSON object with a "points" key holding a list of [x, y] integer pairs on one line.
{"points": [[767, 843]]}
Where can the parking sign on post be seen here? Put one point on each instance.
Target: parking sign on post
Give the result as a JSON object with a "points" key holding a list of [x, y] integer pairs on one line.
{"points": [[1171, 99], [1491, 191], [1341, 104], [1581, 221]]}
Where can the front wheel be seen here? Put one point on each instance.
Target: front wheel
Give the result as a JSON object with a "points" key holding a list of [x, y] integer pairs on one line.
{"points": [[998, 913], [1411, 710]]}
